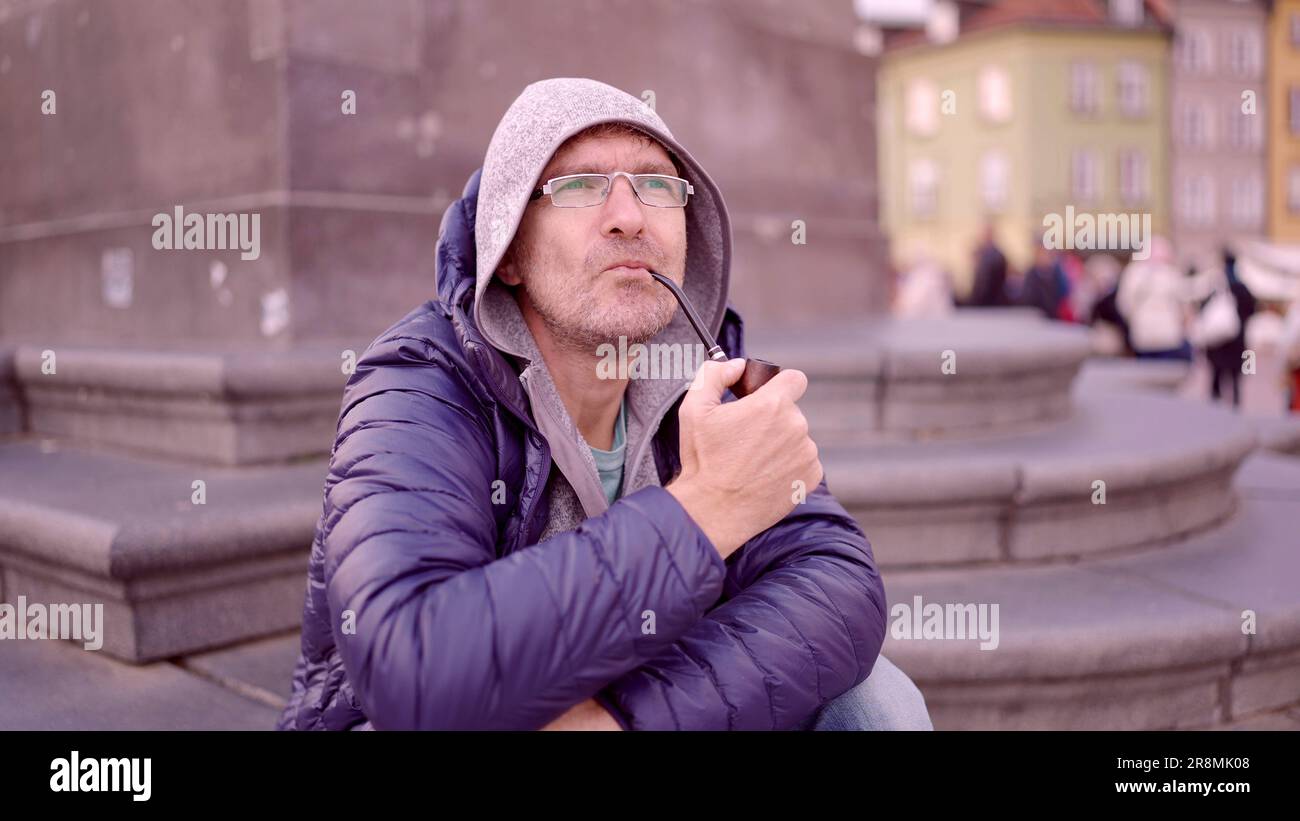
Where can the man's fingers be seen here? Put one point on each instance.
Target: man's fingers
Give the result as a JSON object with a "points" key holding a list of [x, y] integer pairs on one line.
{"points": [[790, 381], [712, 379]]}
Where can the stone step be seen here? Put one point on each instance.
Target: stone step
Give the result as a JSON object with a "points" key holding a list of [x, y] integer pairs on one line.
{"points": [[1166, 465], [79, 525], [1109, 374], [886, 381], [227, 406], [1276, 429], [1144, 641], [261, 669], [1279, 433], [56, 685]]}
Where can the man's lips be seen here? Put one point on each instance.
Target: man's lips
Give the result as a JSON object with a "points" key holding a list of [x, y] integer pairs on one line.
{"points": [[630, 265]]}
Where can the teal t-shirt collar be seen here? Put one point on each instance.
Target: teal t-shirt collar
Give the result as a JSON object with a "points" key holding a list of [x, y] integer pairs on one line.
{"points": [[609, 463]]}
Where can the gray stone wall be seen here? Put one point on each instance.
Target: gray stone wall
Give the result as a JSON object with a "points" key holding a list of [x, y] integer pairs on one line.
{"points": [[236, 106]]}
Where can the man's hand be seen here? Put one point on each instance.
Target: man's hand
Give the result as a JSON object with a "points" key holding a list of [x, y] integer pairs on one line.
{"points": [[588, 715], [741, 460]]}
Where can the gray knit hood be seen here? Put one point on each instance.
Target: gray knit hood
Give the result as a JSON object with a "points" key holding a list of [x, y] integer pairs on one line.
{"points": [[539, 121]]}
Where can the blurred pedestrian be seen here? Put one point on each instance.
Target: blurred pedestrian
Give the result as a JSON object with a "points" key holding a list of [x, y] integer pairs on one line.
{"points": [[1289, 349], [988, 289], [1044, 283], [1221, 329], [1110, 329], [1069, 275], [924, 290], [1152, 299]]}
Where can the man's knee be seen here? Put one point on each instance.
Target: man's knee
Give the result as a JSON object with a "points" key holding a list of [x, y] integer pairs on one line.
{"points": [[886, 700]]}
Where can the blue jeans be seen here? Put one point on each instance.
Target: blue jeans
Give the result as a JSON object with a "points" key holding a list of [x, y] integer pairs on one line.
{"points": [[1183, 352], [886, 700]]}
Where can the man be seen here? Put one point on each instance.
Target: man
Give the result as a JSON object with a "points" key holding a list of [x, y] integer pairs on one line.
{"points": [[1225, 358], [988, 288], [511, 541], [1042, 286]]}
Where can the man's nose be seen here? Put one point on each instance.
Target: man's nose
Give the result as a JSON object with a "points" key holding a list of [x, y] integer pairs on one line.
{"points": [[621, 211]]}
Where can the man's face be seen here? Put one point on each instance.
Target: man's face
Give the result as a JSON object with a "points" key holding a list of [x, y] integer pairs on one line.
{"points": [[566, 258]]}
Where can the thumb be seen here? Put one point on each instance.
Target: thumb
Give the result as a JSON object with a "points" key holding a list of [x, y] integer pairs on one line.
{"points": [[712, 379]]}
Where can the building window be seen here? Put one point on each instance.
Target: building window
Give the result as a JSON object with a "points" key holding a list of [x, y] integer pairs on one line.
{"points": [[995, 182], [1134, 177], [1243, 130], [1183, 125], [1293, 189], [1236, 126], [1247, 201], [1133, 89], [922, 108], [1195, 125], [944, 22], [1126, 12], [1085, 95], [923, 180], [1196, 200], [1085, 176], [995, 94], [1244, 58], [1195, 50]]}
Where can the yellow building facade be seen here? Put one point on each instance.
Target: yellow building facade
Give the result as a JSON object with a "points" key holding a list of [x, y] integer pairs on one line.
{"points": [[1010, 125], [1284, 122]]}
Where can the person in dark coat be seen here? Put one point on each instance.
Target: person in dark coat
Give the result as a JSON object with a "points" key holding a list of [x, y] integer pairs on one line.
{"points": [[1106, 310], [988, 288], [486, 560], [1043, 286], [1226, 359]]}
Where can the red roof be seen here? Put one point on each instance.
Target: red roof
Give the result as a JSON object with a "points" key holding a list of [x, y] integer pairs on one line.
{"points": [[984, 15]]}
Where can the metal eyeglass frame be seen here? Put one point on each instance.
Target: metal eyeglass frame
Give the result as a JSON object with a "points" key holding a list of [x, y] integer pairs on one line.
{"points": [[609, 186]]}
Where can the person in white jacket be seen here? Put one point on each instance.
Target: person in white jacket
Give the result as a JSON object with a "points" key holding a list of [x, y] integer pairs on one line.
{"points": [[1289, 349], [1153, 300], [924, 290]]}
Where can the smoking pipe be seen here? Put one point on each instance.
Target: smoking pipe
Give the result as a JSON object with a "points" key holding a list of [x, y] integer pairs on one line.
{"points": [[757, 371]]}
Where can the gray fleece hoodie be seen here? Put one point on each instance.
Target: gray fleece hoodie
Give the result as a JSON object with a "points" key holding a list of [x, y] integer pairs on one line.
{"points": [[546, 114]]}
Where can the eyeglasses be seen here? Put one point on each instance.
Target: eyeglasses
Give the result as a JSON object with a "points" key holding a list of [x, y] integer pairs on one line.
{"points": [[583, 190]]}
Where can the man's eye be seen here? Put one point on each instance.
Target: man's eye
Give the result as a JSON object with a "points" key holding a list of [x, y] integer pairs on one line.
{"points": [[655, 183], [573, 184]]}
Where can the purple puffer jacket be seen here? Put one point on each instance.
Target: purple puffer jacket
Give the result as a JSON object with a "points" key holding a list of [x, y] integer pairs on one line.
{"points": [[429, 606]]}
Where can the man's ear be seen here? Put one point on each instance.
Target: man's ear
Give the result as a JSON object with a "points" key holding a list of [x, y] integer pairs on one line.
{"points": [[507, 271]]}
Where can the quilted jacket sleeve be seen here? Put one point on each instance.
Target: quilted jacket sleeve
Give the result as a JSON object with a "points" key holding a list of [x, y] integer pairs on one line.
{"points": [[802, 621], [434, 631]]}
